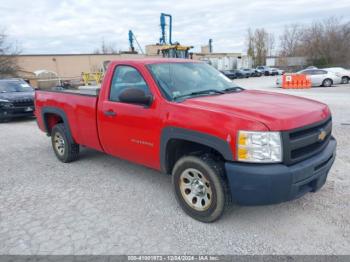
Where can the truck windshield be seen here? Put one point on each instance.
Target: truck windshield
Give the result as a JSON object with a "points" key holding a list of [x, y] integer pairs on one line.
{"points": [[14, 86], [186, 80]]}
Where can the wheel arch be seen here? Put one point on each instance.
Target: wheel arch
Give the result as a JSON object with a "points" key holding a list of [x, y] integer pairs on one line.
{"points": [[345, 77], [52, 116], [176, 142]]}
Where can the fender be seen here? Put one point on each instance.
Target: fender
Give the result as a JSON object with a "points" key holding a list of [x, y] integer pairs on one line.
{"points": [[57, 111], [214, 142]]}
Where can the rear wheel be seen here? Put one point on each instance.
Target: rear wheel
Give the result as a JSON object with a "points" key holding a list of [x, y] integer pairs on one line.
{"points": [[345, 80], [65, 150], [200, 188], [327, 82]]}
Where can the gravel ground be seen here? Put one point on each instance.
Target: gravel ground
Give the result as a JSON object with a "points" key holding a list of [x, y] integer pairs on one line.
{"points": [[104, 205]]}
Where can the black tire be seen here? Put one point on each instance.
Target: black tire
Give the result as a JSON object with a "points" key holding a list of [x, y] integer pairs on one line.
{"points": [[327, 82], [345, 80], [213, 173], [70, 151]]}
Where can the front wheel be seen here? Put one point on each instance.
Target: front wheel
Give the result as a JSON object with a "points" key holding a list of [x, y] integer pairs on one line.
{"points": [[200, 188], [327, 82], [65, 150]]}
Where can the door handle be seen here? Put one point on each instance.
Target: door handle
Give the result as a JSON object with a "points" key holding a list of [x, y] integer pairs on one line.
{"points": [[110, 113]]}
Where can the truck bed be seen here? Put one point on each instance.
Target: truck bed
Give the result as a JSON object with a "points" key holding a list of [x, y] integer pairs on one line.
{"points": [[78, 106], [85, 92]]}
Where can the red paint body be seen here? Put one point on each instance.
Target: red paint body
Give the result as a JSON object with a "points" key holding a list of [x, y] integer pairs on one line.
{"points": [[218, 115]]}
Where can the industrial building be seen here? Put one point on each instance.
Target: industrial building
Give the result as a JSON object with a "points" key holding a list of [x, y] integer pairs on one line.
{"points": [[67, 65]]}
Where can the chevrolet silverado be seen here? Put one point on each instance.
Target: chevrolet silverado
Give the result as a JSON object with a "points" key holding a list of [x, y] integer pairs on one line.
{"points": [[219, 142]]}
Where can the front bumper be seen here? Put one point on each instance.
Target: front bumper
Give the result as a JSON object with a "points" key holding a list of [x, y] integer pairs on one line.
{"points": [[13, 112], [260, 184]]}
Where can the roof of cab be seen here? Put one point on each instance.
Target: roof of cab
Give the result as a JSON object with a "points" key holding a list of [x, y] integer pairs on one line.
{"points": [[147, 61]]}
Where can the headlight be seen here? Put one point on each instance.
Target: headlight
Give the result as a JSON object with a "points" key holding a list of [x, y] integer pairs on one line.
{"points": [[259, 147]]}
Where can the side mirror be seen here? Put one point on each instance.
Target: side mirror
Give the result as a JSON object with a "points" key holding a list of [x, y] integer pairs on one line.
{"points": [[135, 96]]}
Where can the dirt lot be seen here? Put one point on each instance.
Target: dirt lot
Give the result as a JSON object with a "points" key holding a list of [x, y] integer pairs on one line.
{"points": [[104, 205]]}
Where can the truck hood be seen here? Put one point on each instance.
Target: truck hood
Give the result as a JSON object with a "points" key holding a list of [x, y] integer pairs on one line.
{"points": [[277, 111]]}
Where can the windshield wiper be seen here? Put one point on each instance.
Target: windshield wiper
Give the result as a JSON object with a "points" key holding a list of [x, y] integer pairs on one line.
{"points": [[202, 92], [207, 91], [233, 89]]}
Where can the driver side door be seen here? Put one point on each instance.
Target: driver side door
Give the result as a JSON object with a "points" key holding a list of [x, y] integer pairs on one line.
{"points": [[129, 131]]}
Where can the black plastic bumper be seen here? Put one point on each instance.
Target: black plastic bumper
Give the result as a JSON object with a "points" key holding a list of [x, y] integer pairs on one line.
{"points": [[260, 184], [12, 113]]}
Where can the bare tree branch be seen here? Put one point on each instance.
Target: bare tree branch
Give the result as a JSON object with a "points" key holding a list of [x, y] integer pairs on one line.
{"points": [[324, 43], [259, 45], [8, 53], [106, 48]]}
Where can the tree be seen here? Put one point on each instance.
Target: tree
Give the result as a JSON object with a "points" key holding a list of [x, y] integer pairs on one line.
{"points": [[259, 45], [290, 40], [106, 48], [271, 44], [327, 42], [323, 43], [8, 52], [250, 44]]}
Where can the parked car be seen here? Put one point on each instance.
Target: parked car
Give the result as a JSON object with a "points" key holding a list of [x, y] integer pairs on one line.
{"points": [[321, 77], [16, 99], [235, 73], [257, 73], [265, 70], [230, 74], [252, 72], [343, 73], [217, 141], [277, 71], [274, 72], [242, 73]]}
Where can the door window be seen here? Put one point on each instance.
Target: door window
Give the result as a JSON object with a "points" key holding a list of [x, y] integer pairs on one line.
{"points": [[308, 72], [126, 77], [321, 72]]}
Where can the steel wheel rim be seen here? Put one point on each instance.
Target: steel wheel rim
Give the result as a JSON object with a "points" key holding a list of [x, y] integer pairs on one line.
{"points": [[195, 189], [59, 144]]}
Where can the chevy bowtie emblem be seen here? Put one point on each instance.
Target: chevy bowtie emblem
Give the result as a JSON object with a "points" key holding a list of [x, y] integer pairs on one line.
{"points": [[322, 135]]}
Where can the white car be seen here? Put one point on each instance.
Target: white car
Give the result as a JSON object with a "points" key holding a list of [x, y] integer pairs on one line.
{"points": [[319, 77], [341, 72], [265, 70], [279, 71]]}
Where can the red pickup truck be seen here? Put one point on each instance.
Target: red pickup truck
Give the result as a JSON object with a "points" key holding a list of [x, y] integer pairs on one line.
{"points": [[219, 142]]}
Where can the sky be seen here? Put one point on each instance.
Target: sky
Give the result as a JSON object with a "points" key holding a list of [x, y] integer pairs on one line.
{"points": [[79, 26]]}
